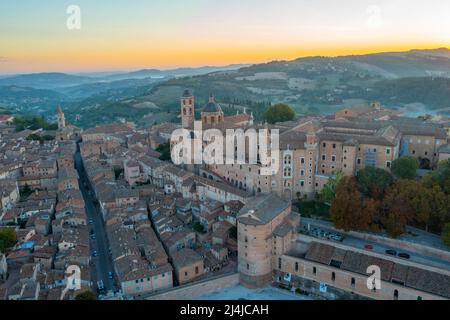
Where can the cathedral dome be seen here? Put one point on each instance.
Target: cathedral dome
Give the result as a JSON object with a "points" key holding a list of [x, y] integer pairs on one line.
{"points": [[212, 106], [187, 93]]}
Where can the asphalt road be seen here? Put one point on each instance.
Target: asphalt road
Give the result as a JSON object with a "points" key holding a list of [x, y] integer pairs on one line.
{"points": [[101, 264]]}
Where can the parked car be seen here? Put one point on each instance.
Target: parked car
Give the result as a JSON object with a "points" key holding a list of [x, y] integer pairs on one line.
{"points": [[100, 287], [404, 255], [337, 237], [94, 254], [110, 275], [391, 252], [93, 237], [91, 221], [368, 247]]}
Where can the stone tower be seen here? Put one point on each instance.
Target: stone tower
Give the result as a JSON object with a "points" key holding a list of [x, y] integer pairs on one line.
{"points": [[259, 222], [187, 110], [61, 118]]}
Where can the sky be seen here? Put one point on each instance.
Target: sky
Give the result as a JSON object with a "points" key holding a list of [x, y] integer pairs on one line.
{"points": [[135, 34]]}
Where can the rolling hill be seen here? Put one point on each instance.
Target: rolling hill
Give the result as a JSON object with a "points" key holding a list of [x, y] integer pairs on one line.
{"points": [[416, 81]]}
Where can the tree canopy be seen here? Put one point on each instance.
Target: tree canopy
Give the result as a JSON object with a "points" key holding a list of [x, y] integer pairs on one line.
{"points": [[405, 167], [279, 113], [446, 234], [164, 149], [8, 238], [348, 210], [373, 181], [33, 123], [328, 192]]}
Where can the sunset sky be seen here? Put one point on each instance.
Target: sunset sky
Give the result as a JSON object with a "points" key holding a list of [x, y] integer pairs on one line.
{"points": [[134, 34]]}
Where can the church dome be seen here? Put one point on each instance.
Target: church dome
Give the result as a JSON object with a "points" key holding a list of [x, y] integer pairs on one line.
{"points": [[187, 93], [212, 106]]}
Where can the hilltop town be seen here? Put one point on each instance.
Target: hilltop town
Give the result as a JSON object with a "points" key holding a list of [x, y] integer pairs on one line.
{"points": [[137, 226]]}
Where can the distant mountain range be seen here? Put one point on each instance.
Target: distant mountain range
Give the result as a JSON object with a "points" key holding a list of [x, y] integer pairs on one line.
{"points": [[57, 80], [416, 81]]}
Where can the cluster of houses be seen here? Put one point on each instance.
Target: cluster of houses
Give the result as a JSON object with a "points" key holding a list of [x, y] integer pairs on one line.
{"points": [[166, 226], [42, 203]]}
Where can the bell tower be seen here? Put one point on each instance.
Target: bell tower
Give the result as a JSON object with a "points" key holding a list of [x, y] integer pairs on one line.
{"points": [[187, 110], [61, 118]]}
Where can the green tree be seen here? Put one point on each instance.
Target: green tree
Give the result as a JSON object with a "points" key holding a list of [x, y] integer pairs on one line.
{"points": [[198, 227], [373, 180], [164, 149], [86, 295], [33, 123], [405, 167], [442, 175], [329, 189], [439, 203], [8, 238], [279, 113], [446, 234], [425, 117]]}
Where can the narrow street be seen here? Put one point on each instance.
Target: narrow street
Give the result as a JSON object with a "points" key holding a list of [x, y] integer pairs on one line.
{"points": [[102, 263]]}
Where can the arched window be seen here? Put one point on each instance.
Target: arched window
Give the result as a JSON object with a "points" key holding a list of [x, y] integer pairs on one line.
{"points": [[333, 276], [279, 263], [296, 267], [353, 282], [190, 112], [184, 111], [314, 270]]}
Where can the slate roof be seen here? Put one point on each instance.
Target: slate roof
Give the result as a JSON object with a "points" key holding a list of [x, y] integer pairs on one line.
{"points": [[413, 277]]}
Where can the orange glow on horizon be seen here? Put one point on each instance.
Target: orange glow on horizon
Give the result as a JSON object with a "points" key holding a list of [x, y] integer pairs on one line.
{"points": [[104, 58]]}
